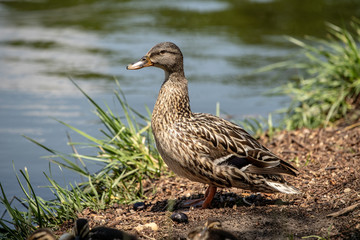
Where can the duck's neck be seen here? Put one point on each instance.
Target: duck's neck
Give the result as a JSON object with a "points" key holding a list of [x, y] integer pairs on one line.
{"points": [[173, 99]]}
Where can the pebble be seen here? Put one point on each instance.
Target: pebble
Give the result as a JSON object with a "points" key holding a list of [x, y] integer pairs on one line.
{"points": [[153, 226], [179, 217], [139, 206]]}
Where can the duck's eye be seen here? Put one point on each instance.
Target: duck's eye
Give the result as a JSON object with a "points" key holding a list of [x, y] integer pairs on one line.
{"points": [[162, 52]]}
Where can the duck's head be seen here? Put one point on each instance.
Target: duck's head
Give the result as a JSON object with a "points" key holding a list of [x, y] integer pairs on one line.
{"points": [[165, 55], [42, 234], [81, 229], [210, 230], [213, 224]]}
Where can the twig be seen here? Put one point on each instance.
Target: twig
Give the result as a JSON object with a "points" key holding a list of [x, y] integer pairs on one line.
{"points": [[300, 144], [289, 152], [331, 168], [344, 210], [352, 126]]}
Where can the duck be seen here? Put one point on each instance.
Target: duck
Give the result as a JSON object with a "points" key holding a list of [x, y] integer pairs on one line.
{"points": [[81, 231], [42, 234], [205, 148], [212, 230]]}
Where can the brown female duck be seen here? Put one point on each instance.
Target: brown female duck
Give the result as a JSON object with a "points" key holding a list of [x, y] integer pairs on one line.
{"points": [[205, 148]]}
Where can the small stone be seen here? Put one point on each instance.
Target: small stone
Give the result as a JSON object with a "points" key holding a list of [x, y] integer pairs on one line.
{"points": [[179, 217], [347, 190], [153, 226], [187, 194], [139, 206]]}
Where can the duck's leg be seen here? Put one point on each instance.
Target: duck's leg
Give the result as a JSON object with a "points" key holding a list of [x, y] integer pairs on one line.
{"points": [[196, 202], [203, 202], [209, 195]]}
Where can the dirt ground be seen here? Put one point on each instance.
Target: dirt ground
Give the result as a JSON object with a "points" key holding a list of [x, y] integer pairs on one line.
{"points": [[329, 205]]}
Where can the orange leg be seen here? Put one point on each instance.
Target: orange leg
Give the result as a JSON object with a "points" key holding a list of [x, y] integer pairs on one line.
{"points": [[209, 195], [207, 192], [203, 202]]}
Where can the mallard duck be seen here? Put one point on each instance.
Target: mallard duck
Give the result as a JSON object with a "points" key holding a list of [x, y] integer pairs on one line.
{"points": [[212, 230], [42, 234], [205, 148], [81, 231]]}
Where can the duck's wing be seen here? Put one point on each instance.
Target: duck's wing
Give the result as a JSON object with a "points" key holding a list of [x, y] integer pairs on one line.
{"points": [[229, 144]]}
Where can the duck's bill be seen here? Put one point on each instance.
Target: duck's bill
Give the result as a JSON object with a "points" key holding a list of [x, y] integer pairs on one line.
{"points": [[143, 62]]}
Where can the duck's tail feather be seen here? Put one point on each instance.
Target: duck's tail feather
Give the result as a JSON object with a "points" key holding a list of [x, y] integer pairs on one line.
{"points": [[283, 187]]}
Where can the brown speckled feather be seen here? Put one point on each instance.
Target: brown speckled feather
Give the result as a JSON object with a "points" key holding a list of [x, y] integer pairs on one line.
{"points": [[227, 138], [42, 234]]}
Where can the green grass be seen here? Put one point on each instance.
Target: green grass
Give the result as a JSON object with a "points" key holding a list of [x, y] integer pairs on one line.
{"points": [[126, 151], [38, 212], [127, 154], [259, 126], [328, 86]]}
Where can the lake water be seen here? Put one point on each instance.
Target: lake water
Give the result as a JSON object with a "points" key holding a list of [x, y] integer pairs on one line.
{"points": [[44, 42]]}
